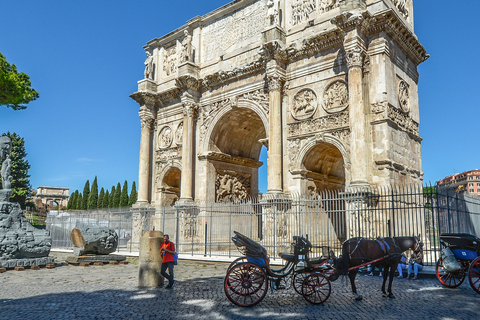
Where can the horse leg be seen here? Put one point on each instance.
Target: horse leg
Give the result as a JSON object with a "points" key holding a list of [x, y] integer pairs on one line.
{"points": [[390, 281], [352, 274], [385, 275]]}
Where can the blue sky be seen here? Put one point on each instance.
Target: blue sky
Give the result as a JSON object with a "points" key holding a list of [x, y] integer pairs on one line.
{"points": [[85, 58]]}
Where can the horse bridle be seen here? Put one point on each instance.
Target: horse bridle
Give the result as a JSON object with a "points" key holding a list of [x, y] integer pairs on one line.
{"points": [[417, 244]]}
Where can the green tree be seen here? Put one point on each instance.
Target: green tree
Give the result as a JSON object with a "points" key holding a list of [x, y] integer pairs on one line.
{"points": [[86, 192], [124, 195], [111, 201], [79, 201], [15, 87], [100, 198], [106, 200], [19, 171], [72, 201], [116, 197], [93, 196], [133, 195]]}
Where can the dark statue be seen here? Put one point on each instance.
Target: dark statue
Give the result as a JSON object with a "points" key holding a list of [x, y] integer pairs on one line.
{"points": [[21, 244]]}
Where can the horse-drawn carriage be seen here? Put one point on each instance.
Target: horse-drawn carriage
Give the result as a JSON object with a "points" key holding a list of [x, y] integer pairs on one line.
{"points": [[460, 256], [248, 277]]}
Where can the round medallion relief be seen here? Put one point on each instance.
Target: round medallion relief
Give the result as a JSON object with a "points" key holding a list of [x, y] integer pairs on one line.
{"points": [[304, 104], [335, 97], [404, 96], [179, 134], [165, 137]]}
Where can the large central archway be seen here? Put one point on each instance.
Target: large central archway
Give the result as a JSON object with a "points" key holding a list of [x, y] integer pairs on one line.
{"points": [[234, 151]]}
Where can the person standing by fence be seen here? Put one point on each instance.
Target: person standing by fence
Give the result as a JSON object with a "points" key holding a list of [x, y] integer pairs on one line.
{"points": [[167, 249]]}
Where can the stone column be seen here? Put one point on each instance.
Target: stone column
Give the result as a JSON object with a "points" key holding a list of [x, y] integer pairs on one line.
{"points": [[355, 53], [147, 119], [275, 172], [186, 188]]}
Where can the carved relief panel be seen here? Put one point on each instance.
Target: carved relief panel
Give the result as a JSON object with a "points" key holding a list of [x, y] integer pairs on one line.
{"points": [[232, 186], [306, 10], [179, 134], [335, 97], [165, 137], [304, 104], [170, 61], [404, 96]]}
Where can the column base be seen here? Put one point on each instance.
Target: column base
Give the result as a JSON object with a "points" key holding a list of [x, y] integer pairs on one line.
{"points": [[359, 184], [185, 202], [275, 191]]}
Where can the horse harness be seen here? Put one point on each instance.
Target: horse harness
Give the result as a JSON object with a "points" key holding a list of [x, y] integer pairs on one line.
{"points": [[384, 246]]}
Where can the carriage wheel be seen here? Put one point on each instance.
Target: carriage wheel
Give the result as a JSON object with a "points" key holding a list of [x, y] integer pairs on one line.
{"points": [[316, 288], [449, 280], [246, 284], [236, 261], [297, 281], [474, 274]]}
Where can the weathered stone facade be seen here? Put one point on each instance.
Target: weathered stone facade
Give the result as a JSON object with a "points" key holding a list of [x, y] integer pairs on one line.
{"points": [[329, 86]]}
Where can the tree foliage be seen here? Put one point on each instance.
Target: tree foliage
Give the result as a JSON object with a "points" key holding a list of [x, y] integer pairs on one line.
{"points": [[133, 195], [79, 201], [100, 198], [106, 200], [19, 171], [124, 195], [86, 192], [116, 197], [72, 201], [15, 87], [93, 195], [111, 201]]}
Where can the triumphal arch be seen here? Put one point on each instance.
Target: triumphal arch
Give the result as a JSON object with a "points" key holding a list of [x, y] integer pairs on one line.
{"points": [[329, 87]]}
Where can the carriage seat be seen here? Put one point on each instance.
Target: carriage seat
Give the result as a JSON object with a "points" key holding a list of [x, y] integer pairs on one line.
{"points": [[290, 257]]}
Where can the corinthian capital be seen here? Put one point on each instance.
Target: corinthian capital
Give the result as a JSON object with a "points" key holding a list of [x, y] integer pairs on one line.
{"points": [[275, 82], [355, 57], [146, 118], [190, 109]]}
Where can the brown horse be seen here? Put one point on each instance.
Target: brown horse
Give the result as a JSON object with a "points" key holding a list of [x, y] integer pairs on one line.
{"points": [[385, 251]]}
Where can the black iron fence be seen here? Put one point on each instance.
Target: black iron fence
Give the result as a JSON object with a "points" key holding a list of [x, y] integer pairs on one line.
{"points": [[327, 218]]}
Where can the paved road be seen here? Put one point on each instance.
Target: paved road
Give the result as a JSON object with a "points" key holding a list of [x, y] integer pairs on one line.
{"points": [[111, 292]]}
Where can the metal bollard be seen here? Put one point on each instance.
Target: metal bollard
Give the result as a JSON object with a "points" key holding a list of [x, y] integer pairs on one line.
{"points": [[150, 260]]}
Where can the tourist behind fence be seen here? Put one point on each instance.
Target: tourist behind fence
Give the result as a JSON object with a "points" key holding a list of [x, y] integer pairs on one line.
{"points": [[402, 265], [167, 249], [415, 263]]}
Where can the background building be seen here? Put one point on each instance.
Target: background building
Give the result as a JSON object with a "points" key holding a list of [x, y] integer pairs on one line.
{"points": [[467, 181]]}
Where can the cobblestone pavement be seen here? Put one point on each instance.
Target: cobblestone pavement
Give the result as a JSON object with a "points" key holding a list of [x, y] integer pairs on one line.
{"points": [[111, 292]]}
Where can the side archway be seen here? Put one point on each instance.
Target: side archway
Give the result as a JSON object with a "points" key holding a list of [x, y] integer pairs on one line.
{"points": [[323, 163], [169, 184]]}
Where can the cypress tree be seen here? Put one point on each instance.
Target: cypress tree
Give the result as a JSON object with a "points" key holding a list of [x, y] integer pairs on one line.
{"points": [[116, 198], [124, 195], [133, 195], [111, 202], [100, 198], [93, 196], [79, 201], [86, 192], [72, 202], [106, 200]]}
